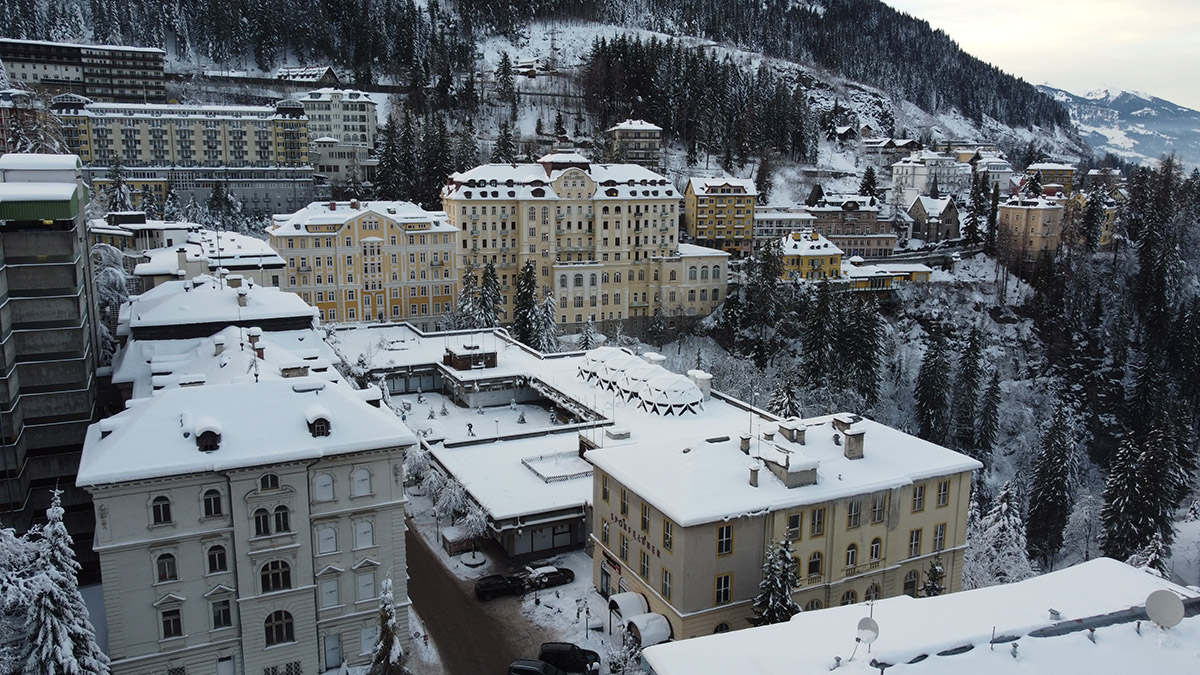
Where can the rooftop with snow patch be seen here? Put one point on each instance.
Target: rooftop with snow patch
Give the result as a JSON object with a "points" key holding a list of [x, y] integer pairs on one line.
{"points": [[339, 213], [635, 125], [519, 181], [206, 300], [713, 186]]}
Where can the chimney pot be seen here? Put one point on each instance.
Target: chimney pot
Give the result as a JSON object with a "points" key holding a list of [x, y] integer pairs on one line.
{"points": [[754, 476], [744, 443], [853, 447]]}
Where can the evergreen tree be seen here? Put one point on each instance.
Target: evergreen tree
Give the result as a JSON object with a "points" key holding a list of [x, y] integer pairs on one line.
{"points": [[148, 203], [1003, 539], [172, 210], [989, 241], [504, 152], [785, 398], [588, 338], [1152, 557], [867, 187], [560, 129], [505, 84], [933, 386], [546, 332], [1082, 534], [388, 180], [388, 656], [764, 175], [976, 212], [966, 391], [1051, 498], [488, 305], [987, 429], [1124, 527], [1093, 219], [59, 637], [774, 603], [466, 313], [18, 564], [120, 195], [525, 304], [5, 82], [817, 361], [1033, 186], [406, 159], [935, 578], [466, 151], [974, 566]]}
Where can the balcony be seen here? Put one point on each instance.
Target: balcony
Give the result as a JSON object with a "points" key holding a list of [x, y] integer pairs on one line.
{"points": [[474, 232], [474, 217], [436, 263]]}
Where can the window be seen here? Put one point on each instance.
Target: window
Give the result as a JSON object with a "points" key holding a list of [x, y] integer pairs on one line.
{"points": [[853, 514], [814, 564], [624, 550], [939, 537], [360, 482], [943, 495], [872, 593], [724, 539], [645, 517], [668, 535], [217, 561], [222, 617], [877, 509], [172, 624], [279, 628], [604, 488], [283, 519], [793, 528], [262, 523], [914, 543], [918, 499], [367, 637], [812, 605], [851, 555], [160, 508], [268, 481], [326, 539], [212, 503], [364, 534], [666, 584], [876, 549], [817, 527], [644, 564], [849, 598], [364, 586], [624, 502], [604, 533], [332, 644], [276, 576], [723, 587], [323, 487], [910, 584], [330, 595], [165, 570]]}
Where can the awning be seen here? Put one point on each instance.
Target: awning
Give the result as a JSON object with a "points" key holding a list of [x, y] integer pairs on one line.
{"points": [[628, 604], [649, 628]]}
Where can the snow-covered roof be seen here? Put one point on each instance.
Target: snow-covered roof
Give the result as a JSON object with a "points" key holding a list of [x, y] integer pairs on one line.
{"points": [[207, 300], [703, 478], [107, 48], [912, 628], [302, 73], [563, 157], [1028, 202], [692, 250], [1048, 166], [844, 202], [804, 216], [37, 192], [339, 213], [808, 242], [15, 161], [517, 181], [176, 110], [260, 424], [933, 206], [670, 394], [234, 251], [635, 125], [329, 93], [712, 186]]}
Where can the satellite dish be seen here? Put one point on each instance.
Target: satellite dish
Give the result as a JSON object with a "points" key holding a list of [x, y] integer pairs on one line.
{"points": [[868, 628], [1164, 608]]}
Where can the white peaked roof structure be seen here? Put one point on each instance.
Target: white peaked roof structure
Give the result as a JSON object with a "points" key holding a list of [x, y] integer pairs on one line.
{"points": [[612, 370], [593, 361], [670, 394], [633, 379]]}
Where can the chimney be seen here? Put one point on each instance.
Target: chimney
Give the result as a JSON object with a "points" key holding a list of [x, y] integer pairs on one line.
{"points": [[254, 334], [241, 295], [218, 345], [354, 204], [333, 206], [793, 430], [843, 421], [234, 280], [768, 435], [853, 448], [260, 351], [744, 443], [754, 474], [181, 257], [703, 381], [294, 370]]}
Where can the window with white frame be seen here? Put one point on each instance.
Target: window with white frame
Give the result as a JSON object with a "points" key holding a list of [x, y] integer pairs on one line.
{"points": [[364, 586], [330, 593], [323, 487], [360, 482], [364, 534], [326, 539]]}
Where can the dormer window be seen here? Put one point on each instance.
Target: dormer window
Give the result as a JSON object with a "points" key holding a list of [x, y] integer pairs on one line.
{"points": [[268, 481], [319, 427], [208, 441]]}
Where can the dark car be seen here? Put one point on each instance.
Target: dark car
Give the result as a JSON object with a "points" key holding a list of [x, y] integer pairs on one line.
{"points": [[531, 667], [497, 584], [570, 658], [545, 577]]}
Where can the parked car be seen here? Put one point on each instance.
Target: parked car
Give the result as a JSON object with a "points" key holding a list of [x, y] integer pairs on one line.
{"points": [[545, 577], [532, 667], [497, 584], [570, 658]]}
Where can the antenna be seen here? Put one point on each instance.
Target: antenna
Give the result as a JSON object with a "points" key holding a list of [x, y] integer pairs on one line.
{"points": [[1164, 608]]}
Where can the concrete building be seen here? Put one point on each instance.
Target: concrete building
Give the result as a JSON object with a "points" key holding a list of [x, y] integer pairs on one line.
{"points": [[772, 223], [1029, 227], [919, 172], [211, 253], [995, 171], [258, 537], [603, 236], [370, 260], [637, 142], [681, 533], [340, 164], [719, 213], [851, 223], [808, 255], [99, 72], [934, 220], [48, 381], [347, 115]]}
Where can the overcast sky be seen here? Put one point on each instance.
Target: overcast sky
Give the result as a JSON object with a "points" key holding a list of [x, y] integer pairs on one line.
{"points": [[1151, 46]]}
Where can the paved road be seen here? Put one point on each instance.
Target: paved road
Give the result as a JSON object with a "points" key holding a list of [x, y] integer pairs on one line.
{"points": [[470, 638]]}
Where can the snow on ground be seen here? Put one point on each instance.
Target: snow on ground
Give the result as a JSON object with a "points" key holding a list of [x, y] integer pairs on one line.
{"points": [[423, 658], [1185, 554]]}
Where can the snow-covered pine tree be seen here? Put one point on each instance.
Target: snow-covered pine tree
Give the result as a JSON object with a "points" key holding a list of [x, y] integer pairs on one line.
{"points": [[5, 82], [987, 426], [525, 303], [774, 602], [59, 637], [974, 566], [1152, 557], [488, 306], [505, 151], [387, 172], [1123, 528], [1052, 494], [989, 239], [1157, 485], [785, 399], [764, 175], [466, 314], [1003, 539], [932, 393], [1033, 186], [867, 187], [546, 332], [967, 386], [120, 196], [388, 657], [588, 338], [817, 361], [18, 562], [976, 214], [1082, 533], [935, 578]]}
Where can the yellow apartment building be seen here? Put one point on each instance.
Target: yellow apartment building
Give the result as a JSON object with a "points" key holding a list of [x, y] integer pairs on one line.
{"points": [[1053, 172], [719, 213], [370, 261], [1029, 226], [808, 255]]}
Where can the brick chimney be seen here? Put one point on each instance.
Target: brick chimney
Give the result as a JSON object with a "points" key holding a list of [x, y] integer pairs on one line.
{"points": [[241, 296]]}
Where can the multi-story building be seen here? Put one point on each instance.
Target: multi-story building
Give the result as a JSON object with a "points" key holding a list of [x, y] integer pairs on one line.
{"points": [[1053, 173], [48, 380], [995, 171], [851, 223], [341, 164], [258, 537], [638, 142], [371, 260], [719, 213], [100, 72], [1108, 210], [16, 106], [918, 173], [934, 219], [1028, 227], [808, 255], [603, 236], [682, 535], [347, 115], [772, 223]]}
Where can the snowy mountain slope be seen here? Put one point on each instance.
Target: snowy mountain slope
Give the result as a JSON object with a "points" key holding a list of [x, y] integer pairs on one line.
{"points": [[1137, 126]]}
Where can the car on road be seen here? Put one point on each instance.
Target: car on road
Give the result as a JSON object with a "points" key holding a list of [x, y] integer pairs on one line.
{"points": [[570, 658], [545, 577], [497, 584], [532, 667]]}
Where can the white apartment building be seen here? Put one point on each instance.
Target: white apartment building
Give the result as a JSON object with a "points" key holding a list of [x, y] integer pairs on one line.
{"points": [[346, 115], [915, 175]]}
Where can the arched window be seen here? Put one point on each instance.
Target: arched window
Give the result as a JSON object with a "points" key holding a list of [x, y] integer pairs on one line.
{"points": [[704, 273], [692, 295], [849, 598], [326, 540], [716, 271], [592, 280], [276, 576], [562, 280], [876, 549], [160, 508], [656, 275], [851, 555], [673, 276], [578, 281], [641, 275], [872, 593], [364, 534], [320, 426], [279, 628], [360, 482], [812, 605], [910, 583], [604, 278], [616, 209], [617, 277], [721, 628], [268, 481], [283, 519], [716, 294], [691, 273], [164, 567], [212, 503], [703, 294], [323, 487], [814, 564], [262, 523], [216, 560]]}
